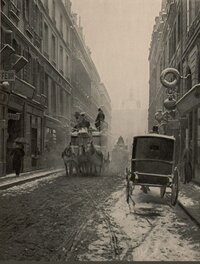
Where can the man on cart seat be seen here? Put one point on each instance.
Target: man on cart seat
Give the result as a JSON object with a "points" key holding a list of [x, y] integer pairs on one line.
{"points": [[100, 119], [82, 121]]}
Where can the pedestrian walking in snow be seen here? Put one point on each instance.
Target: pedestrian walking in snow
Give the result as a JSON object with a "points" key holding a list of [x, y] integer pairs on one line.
{"points": [[18, 154]]}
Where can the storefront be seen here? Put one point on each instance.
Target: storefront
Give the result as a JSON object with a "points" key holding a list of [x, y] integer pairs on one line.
{"points": [[34, 136], [3, 130], [15, 126], [55, 141], [189, 109]]}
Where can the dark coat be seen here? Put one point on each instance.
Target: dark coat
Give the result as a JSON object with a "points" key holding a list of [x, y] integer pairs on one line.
{"points": [[100, 116], [18, 155]]}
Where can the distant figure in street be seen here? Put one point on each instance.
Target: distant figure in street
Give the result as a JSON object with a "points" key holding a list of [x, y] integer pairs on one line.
{"points": [[120, 141], [18, 154], [100, 118]]}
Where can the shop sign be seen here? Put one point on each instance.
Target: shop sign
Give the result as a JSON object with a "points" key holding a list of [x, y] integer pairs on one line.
{"points": [[12, 116], [7, 76]]}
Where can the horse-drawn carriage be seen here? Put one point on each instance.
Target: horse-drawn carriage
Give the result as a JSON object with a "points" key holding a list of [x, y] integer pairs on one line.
{"points": [[87, 152], [153, 164], [120, 156]]}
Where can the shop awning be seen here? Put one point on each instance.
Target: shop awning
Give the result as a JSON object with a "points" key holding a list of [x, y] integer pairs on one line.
{"points": [[189, 101]]}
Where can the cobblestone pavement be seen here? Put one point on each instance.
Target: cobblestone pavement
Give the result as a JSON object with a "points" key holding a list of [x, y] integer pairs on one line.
{"points": [[42, 219], [87, 218]]}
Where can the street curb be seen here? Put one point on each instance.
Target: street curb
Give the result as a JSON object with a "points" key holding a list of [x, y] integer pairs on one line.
{"points": [[189, 214], [9, 185]]}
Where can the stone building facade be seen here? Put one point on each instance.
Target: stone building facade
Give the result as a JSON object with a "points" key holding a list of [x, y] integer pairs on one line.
{"points": [[176, 43], [54, 76]]}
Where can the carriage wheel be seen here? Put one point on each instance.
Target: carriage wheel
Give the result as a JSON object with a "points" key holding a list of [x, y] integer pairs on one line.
{"points": [[175, 188], [162, 191]]}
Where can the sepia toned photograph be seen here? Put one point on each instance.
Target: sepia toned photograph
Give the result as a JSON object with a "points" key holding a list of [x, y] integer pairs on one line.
{"points": [[99, 130]]}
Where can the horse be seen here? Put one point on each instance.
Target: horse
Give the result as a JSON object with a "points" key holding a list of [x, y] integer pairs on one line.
{"points": [[70, 160], [95, 159], [82, 160]]}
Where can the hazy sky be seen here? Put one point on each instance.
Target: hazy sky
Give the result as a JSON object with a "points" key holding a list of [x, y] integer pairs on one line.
{"points": [[118, 33]]}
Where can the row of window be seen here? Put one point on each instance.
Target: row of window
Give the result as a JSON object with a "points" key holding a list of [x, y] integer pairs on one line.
{"points": [[50, 50], [50, 6], [192, 9], [58, 99]]}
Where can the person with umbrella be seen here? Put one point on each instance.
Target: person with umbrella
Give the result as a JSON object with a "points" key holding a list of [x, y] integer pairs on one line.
{"points": [[18, 154]]}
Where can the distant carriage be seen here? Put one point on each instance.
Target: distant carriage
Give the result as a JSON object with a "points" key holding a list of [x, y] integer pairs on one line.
{"points": [[86, 153], [120, 156]]}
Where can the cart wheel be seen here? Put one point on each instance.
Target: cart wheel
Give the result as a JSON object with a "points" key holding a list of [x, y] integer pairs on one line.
{"points": [[162, 191], [175, 188]]}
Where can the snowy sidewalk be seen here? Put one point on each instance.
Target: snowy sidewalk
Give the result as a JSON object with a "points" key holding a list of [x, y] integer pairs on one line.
{"points": [[12, 180], [189, 200]]}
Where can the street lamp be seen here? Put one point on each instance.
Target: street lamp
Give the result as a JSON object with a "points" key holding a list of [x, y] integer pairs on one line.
{"points": [[170, 102]]}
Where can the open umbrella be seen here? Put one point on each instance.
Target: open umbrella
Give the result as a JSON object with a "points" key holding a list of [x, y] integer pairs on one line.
{"points": [[21, 140]]}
